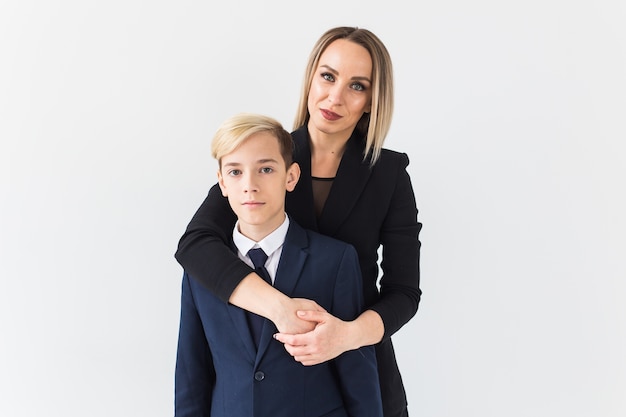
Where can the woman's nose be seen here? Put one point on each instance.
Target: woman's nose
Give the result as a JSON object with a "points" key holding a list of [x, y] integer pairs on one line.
{"points": [[335, 94]]}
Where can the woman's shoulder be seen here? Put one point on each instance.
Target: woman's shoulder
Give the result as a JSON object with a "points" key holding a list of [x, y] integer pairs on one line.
{"points": [[393, 154], [300, 135], [389, 157]]}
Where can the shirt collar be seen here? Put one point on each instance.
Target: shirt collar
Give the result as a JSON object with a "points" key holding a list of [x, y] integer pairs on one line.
{"points": [[269, 243]]}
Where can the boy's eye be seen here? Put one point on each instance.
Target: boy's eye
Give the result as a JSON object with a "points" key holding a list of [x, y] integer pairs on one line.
{"points": [[266, 170], [234, 172]]}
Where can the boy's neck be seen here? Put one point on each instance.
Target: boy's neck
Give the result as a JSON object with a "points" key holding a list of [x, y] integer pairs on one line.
{"points": [[258, 232]]}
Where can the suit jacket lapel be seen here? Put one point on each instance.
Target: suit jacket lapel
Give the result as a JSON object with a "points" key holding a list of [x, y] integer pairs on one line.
{"points": [[299, 202], [292, 259], [238, 315], [290, 266], [352, 176], [242, 327]]}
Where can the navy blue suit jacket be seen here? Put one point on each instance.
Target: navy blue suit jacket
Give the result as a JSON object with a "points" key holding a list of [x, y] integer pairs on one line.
{"points": [[220, 373]]}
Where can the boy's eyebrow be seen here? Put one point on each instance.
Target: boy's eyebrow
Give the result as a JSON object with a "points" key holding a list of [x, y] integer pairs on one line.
{"points": [[258, 161], [266, 160]]}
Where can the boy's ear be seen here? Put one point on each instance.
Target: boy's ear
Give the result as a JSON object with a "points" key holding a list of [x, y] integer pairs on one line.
{"points": [[293, 175], [220, 181]]}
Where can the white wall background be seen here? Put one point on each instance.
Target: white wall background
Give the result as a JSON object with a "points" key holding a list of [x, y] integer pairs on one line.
{"points": [[513, 114]]}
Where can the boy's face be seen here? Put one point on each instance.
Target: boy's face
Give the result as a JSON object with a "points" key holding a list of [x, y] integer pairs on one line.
{"points": [[255, 180]]}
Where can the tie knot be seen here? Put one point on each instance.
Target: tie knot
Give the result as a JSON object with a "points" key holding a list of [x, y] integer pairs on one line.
{"points": [[258, 257]]}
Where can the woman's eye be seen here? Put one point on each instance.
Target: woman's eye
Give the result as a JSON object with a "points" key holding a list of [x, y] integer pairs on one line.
{"points": [[327, 76], [358, 87]]}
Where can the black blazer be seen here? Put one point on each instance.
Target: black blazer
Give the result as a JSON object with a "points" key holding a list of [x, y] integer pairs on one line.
{"points": [[367, 207]]}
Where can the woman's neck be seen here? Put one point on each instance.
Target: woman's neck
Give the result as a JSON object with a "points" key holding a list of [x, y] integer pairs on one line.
{"points": [[326, 153]]}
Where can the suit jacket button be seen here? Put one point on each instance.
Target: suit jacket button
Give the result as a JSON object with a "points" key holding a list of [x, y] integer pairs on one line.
{"points": [[259, 376]]}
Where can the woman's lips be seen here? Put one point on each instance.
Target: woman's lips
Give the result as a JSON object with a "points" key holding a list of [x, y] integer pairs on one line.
{"points": [[329, 115]]}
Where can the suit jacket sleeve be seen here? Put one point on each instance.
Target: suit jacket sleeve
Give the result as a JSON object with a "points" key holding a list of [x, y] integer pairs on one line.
{"points": [[204, 251], [195, 374], [357, 369]]}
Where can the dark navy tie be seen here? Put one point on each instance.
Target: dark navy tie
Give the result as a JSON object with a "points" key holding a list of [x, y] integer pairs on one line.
{"points": [[258, 258]]}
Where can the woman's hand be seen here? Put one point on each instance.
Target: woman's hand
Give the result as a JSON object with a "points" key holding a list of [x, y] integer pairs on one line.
{"points": [[287, 320], [257, 296], [329, 339], [331, 336], [310, 334]]}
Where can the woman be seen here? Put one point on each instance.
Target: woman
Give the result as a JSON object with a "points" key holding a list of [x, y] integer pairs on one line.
{"points": [[351, 189]]}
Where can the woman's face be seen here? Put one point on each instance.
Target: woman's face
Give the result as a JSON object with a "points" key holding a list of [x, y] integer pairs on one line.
{"points": [[341, 88]]}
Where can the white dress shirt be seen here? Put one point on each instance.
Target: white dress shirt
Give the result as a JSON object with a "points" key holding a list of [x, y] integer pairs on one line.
{"points": [[271, 244]]}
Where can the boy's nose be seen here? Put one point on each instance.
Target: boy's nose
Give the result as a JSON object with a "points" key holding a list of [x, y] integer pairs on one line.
{"points": [[250, 184]]}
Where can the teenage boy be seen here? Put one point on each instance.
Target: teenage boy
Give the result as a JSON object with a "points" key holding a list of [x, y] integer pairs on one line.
{"points": [[221, 370]]}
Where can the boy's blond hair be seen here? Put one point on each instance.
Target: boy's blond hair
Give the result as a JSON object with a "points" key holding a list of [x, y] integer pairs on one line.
{"points": [[236, 129]]}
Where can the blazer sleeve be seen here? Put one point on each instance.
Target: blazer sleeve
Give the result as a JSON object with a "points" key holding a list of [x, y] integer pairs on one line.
{"points": [[400, 292], [357, 369], [195, 373], [204, 249]]}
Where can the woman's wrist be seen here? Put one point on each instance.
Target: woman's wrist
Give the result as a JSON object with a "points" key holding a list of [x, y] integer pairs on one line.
{"points": [[367, 329], [257, 296], [279, 309]]}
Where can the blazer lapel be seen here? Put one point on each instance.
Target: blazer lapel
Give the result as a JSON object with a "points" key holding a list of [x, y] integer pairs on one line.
{"points": [[240, 322], [299, 202], [292, 259], [238, 315], [352, 176]]}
